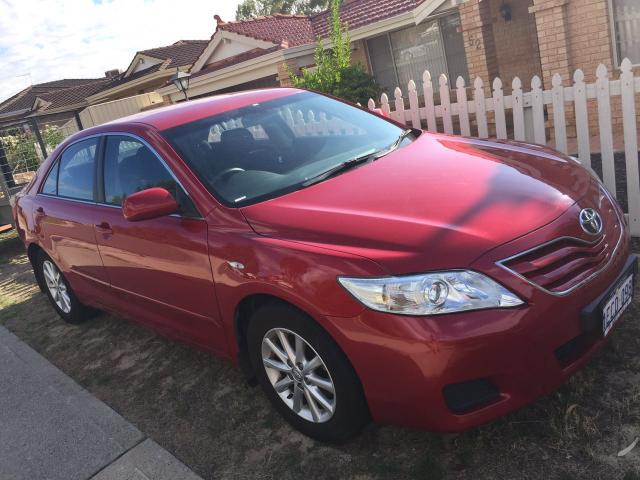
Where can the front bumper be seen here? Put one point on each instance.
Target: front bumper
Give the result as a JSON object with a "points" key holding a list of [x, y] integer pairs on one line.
{"points": [[406, 363]]}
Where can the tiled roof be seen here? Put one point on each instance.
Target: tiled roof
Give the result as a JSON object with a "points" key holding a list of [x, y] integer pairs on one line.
{"points": [[121, 79], [303, 29], [73, 95], [58, 92], [183, 52], [241, 57], [362, 12], [292, 29]]}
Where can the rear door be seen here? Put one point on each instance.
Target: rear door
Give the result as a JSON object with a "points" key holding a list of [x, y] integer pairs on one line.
{"points": [[158, 268], [65, 217]]}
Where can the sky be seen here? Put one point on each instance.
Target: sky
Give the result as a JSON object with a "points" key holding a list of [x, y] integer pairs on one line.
{"points": [[49, 40]]}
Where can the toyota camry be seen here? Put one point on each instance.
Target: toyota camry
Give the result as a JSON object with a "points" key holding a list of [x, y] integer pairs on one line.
{"points": [[354, 268]]}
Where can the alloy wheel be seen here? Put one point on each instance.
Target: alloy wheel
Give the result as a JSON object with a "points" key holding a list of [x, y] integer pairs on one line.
{"points": [[298, 375], [57, 287]]}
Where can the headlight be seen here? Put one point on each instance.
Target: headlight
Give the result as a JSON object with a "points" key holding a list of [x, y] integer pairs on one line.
{"points": [[431, 293]]}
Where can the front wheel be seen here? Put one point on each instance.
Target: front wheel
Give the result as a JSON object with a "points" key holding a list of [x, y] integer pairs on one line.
{"points": [[60, 293], [305, 375]]}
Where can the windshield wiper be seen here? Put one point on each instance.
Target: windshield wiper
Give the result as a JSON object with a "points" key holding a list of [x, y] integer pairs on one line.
{"points": [[341, 167], [396, 144]]}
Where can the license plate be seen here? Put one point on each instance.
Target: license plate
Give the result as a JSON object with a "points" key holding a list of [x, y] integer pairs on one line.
{"points": [[619, 299]]}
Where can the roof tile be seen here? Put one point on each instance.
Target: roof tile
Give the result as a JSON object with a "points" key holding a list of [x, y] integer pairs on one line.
{"points": [[362, 12], [183, 52], [279, 28]]}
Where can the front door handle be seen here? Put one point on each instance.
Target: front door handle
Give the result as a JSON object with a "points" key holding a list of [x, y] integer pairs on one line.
{"points": [[104, 227]]}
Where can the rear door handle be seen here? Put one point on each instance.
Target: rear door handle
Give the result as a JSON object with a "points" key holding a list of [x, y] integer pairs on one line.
{"points": [[104, 227]]}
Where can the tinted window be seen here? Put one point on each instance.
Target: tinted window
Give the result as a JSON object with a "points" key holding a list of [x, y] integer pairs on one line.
{"points": [[51, 183], [268, 149], [130, 167], [76, 170]]}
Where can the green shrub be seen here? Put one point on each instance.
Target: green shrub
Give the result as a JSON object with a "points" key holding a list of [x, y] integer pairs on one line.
{"points": [[333, 72]]}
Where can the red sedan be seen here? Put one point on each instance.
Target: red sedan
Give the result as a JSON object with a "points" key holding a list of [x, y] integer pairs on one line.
{"points": [[355, 268]]}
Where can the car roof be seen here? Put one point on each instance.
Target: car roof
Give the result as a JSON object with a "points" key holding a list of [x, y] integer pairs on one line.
{"points": [[178, 114]]}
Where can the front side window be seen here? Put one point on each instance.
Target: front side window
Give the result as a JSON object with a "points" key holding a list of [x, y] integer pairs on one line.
{"points": [[268, 149], [75, 172], [626, 21], [405, 54], [130, 167]]}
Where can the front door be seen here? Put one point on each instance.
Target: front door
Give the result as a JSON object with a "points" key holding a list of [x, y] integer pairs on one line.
{"points": [[158, 268]]}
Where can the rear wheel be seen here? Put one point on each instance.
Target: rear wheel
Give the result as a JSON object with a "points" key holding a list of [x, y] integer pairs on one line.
{"points": [[60, 293], [305, 375]]}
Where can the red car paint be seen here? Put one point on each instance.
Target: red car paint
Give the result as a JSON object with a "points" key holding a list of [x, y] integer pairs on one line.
{"points": [[442, 202]]}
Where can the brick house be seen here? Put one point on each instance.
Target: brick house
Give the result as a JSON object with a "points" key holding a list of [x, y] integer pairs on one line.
{"points": [[396, 40]]}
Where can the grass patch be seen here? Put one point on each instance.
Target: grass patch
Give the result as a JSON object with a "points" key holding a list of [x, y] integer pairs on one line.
{"points": [[428, 468], [631, 475]]}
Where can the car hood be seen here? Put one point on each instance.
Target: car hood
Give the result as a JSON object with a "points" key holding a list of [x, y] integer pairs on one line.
{"points": [[439, 202]]}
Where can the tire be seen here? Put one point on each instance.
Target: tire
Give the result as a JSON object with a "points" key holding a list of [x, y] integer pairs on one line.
{"points": [[69, 309], [320, 414]]}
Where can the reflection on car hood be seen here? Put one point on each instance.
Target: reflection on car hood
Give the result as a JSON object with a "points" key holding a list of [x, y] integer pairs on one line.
{"points": [[439, 202]]}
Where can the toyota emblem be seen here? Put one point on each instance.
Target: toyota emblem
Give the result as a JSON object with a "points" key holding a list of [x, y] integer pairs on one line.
{"points": [[590, 221]]}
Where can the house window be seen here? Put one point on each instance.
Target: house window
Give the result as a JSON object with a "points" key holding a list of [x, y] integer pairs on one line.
{"points": [[626, 26], [404, 55]]}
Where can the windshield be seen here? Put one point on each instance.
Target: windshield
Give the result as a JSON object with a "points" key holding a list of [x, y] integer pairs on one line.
{"points": [[267, 149]]}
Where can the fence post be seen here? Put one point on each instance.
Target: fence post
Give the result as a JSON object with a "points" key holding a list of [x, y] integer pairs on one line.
{"points": [[7, 181], [371, 104], [518, 110], [399, 104], [498, 108], [539, 133], [627, 85], [481, 108], [445, 104], [384, 104], [429, 106], [604, 122], [78, 121], [463, 107], [582, 118], [36, 130], [559, 119], [414, 105]]}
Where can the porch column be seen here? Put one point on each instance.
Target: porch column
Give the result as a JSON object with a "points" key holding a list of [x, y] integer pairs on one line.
{"points": [[284, 68], [553, 39], [479, 44]]}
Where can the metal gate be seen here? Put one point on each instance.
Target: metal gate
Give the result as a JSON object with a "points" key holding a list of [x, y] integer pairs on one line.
{"points": [[23, 146]]}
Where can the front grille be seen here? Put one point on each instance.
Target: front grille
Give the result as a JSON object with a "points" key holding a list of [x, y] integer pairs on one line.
{"points": [[562, 264]]}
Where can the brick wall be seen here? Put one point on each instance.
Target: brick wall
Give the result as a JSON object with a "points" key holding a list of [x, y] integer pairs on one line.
{"points": [[359, 54], [516, 43], [284, 68], [479, 42]]}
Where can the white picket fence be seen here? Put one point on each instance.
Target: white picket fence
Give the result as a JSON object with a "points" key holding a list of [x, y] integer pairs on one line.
{"points": [[464, 110]]}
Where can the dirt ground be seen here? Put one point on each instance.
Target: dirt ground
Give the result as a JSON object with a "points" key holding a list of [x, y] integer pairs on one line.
{"points": [[200, 409]]}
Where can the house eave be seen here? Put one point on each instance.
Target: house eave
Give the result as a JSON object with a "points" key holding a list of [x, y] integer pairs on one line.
{"points": [[105, 94], [237, 69]]}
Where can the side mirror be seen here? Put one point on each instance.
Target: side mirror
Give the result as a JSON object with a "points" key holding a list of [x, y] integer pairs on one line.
{"points": [[150, 203]]}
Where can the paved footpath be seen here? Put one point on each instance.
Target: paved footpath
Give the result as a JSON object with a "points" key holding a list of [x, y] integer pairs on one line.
{"points": [[53, 429]]}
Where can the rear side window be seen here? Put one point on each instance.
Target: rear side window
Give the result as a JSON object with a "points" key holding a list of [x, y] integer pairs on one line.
{"points": [[76, 171], [50, 186], [130, 167]]}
